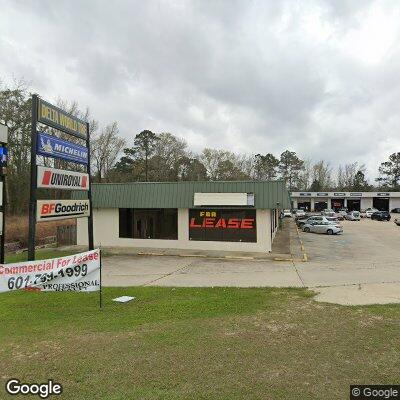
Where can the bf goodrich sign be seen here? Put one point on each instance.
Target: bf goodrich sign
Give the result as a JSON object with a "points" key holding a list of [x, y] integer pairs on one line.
{"points": [[48, 210], [52, 178]]}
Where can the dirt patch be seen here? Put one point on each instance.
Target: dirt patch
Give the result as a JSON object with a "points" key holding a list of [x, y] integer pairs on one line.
{"points": [[17, 229]]}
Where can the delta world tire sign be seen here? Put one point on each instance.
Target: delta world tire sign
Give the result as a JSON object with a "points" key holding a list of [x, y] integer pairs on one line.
{"points": [[49, 210], [52, 178]]}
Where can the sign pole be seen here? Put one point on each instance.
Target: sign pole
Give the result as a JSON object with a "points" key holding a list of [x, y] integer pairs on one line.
{"points": [[90, 218], [101, 291], [3, 228], [32, 199]]}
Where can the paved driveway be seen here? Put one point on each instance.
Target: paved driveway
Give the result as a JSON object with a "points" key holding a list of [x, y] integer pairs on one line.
{"points": [[192, 271], [366, 254]]}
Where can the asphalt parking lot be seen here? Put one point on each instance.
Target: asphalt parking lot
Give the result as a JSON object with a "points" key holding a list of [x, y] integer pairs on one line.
{"points": [[364, 241], [350, 268], [360, 266]]}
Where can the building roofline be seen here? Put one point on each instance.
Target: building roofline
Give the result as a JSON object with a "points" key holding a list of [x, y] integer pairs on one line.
{"points": [[182, 182]]}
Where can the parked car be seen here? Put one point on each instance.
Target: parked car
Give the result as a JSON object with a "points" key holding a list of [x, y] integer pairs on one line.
{"points": [[342, 211], [323, 227], [333, 219], [353, 216], [299, 213], [381, 216], [315, 218], [328, 213], [396, 210], [340, 217], [370, 211], [397, 222], [286, 213]]}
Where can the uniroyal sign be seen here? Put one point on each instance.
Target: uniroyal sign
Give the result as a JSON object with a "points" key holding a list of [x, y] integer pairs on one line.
{"points": [[62, 209], [60, 179]]}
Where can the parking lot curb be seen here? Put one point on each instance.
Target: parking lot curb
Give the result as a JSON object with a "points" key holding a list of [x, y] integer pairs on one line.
{"points": [[248, 258], [149, 254], [302, 247]]}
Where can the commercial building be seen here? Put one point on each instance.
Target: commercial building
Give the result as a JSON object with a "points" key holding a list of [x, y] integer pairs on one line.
{"points": [[231, 216], [357, 201]]}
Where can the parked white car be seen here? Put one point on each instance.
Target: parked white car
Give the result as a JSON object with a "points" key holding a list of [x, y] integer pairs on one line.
{"points": [[353, 216], [323, 227], [299, 213], [328, 213], [286, 213], [370, 211], [315, 218]]}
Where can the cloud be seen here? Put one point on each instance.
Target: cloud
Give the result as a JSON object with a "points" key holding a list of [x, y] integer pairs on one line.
{"points": [[317, 77]]}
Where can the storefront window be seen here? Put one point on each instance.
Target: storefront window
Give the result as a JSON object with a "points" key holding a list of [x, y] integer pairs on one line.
{"points": [[148, 223], [224, 225]]}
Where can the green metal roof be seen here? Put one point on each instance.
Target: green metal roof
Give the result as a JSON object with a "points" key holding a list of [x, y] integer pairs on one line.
{"points": [[180, 194]]}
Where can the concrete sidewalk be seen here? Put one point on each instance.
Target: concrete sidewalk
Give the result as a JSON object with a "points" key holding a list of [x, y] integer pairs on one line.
{"points": [[348, 284], [193, 272], [352, 268]]}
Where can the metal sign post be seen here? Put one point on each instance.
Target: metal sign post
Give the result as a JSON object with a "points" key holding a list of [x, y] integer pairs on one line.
{"points": [[90, 219], [54, 147], [32, 196], [3, 161]]}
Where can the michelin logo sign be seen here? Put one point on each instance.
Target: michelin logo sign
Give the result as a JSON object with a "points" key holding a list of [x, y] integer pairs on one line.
{"points": [[51, 146]]}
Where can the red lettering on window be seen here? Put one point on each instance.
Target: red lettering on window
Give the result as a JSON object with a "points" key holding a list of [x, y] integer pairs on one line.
{"points": [[247, 223], [208, 222], [221, 223], [193, 223], [233, 223]]}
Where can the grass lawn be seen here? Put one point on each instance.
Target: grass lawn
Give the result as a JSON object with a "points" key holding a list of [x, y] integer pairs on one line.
{"points": [[40, 254], [189, 343], [43, 254]]}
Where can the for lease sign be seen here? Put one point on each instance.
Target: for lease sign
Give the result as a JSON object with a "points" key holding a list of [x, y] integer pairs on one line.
{"points": [[61, 179], [76, 273], [61, 209]]}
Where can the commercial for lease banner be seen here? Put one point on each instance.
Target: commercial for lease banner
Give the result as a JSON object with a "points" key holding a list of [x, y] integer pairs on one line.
{"points": [[51, 146], [76, 273], [61, 209], [56, 118], [61, 179]]}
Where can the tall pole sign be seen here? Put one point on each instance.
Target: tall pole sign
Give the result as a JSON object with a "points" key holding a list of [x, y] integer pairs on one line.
{"points": [[46, 145], [3, 164]]}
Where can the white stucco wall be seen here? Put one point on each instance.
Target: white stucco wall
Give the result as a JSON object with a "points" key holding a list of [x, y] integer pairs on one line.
{"points": [[106, 232], [394, 203], [366, 203]]}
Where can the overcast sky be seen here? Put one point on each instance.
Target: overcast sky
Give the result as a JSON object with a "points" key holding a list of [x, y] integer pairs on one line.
{"points": [[321, 78]]}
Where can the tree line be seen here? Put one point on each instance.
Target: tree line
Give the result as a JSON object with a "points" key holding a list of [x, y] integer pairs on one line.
{"points": [[163, 157]]}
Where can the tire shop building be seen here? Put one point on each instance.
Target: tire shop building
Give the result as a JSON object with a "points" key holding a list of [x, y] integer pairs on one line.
{"points": [[353, 201], [226, 216]]}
